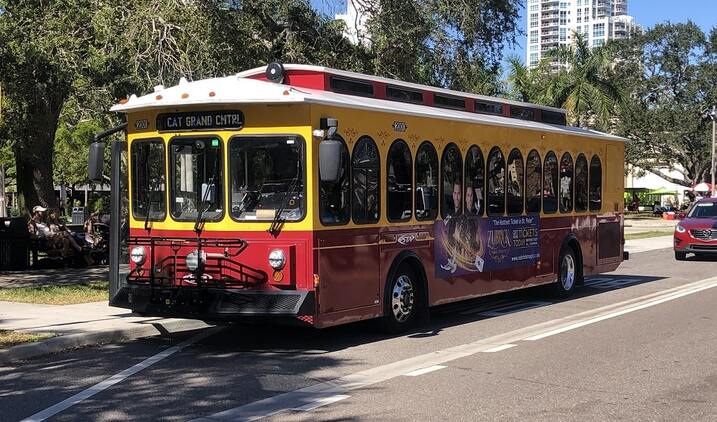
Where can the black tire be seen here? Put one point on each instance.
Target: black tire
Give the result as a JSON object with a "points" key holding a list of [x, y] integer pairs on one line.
{"points": [[401, 301], [680, 256], [568, 273]]}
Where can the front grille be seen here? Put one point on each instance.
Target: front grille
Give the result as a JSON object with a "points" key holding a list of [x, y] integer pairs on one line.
{"points": [[704, 234], [258, 303], [704, 247]]}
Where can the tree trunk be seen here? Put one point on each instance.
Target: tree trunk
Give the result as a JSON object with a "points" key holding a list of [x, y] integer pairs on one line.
{"points": [[33, 162]]}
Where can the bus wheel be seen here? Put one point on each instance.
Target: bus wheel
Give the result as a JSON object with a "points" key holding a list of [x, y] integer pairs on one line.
{"points": [[401, 301], [567, 273]]}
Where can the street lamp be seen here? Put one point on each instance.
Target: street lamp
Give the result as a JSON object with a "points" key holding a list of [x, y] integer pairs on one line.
{"points": [[712, 115]]}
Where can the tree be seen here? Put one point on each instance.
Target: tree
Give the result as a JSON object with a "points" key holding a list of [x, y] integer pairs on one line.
{"points": [[669, 75]]}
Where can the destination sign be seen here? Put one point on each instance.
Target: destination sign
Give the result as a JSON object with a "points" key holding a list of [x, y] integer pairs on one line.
{"points": [[200, 120]]}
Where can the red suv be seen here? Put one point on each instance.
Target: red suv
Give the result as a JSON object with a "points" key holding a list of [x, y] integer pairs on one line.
{"points": [[697, 232]]}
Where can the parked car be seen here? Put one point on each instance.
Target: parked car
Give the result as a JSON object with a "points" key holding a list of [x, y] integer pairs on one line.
{"points": [[697, 232]]}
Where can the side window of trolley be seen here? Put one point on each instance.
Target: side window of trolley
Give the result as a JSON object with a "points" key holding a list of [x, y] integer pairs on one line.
{"points": [[266, 178], [566, 183], [515, 182], [533, 178], [148, 179], [581, 183], [197, 178], [496, 182], [399, 182], [595, 184], [334, 199], [365, 172], [475, 182], [550, 183], [451, 181], [426, 182]]}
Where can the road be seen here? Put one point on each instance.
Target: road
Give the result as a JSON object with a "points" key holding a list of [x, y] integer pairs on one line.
{"points": [[637, 344]]}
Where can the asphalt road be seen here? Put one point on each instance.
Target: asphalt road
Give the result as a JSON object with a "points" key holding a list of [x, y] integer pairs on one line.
{"points": [[637, 344]]}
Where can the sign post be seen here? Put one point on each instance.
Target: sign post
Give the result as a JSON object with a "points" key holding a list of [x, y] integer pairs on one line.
{"points": [[3, 200]]}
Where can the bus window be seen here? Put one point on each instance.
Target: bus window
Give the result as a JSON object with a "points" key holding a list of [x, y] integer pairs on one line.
{"points": [[581, 183], [475, 182], [550, 182], [595, 184], [197, 178], [533, 175], [365, 171], [148, 180], [566, 183], [496, 182], [426, 182], [452, 181], [266, 177], [515, 182], [334, 198], [399, 182]]}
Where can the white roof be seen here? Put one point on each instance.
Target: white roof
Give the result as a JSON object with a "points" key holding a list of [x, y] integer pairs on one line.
{"points": [[238, 89]]}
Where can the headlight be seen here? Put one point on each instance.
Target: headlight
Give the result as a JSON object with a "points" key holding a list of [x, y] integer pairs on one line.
{"points": [[277, 259], [680, 229], [138, 255], [194, 259]]}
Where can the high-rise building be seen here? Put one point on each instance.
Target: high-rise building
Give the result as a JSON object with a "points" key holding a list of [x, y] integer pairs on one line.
{"points": [[551, 23]]}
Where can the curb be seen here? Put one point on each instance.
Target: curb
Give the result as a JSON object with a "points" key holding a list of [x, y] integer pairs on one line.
{"points": [[118, 335]]}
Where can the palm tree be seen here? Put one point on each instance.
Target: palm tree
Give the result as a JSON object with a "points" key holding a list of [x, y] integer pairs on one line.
{"points": [[584, 86]]}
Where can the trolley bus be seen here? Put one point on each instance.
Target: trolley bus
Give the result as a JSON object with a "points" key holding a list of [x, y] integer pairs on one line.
{"points": [[318, 196]]}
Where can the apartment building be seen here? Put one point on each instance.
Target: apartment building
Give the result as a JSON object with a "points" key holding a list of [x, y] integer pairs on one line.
{"points": [[551, 23]]}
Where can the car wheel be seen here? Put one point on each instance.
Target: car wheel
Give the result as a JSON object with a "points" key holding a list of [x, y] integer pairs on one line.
{"points": [[680, 256], [567, 273], [401, 301]]}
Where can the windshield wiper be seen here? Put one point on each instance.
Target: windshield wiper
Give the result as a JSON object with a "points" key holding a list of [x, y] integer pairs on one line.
{"points": [[199, 223], [148, 206], [278, 220]]}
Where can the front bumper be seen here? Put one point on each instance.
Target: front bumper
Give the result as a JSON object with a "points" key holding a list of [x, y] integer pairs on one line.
{"points": [[214, 303]]}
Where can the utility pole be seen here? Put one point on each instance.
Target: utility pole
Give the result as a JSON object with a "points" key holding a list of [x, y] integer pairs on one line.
{"points": [[713, 115]]}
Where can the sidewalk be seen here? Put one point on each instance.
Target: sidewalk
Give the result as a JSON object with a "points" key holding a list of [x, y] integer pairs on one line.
{"points": [[649, 244], [640, 225]]}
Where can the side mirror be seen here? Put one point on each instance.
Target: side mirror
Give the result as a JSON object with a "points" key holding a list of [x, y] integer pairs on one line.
{"points": [[96, 161], [208, 193], [330, 160]]}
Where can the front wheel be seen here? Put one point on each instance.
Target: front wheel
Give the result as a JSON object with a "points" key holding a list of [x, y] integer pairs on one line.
{"points": [[680, 256], [401, 301], [568, 273]]}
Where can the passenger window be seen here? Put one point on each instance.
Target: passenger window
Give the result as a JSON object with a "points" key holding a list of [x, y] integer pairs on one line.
{"points": [[550, 182], [365, 168], [475, 182], [515, 182], [399, 182], [533, 176], [595, 184], [566, 183], [581, 183], [334, 198], [496, 182], [426, 182], [452, 181]]}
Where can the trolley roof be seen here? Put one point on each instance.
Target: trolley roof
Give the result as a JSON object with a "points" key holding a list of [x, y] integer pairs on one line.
{"points": [[242, 89]]}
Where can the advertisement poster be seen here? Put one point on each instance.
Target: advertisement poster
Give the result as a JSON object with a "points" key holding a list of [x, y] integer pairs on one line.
{"points": [[466, 244]]}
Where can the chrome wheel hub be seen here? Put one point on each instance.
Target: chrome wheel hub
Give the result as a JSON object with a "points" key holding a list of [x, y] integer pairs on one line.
{"points": [[402, 299], [567, 272]]}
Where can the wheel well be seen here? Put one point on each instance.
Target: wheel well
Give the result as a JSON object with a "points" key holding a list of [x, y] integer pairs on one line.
{"points": [[412, 261]]}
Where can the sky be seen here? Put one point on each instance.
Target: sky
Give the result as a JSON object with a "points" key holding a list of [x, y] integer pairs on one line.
{"points": [[647, 13]]}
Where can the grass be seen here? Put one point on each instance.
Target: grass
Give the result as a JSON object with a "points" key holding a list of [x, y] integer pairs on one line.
{"points": [[13, 338], [57, 295], [645, 235]]}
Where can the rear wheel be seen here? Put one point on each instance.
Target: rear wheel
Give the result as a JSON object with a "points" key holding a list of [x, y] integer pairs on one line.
{"points": [[568, 273], [401, 301], [680, 256]]}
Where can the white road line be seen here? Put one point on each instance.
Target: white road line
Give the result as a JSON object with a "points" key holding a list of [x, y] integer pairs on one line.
{"points": [[324, 401], [119, 377], [424, 371], [499, 348], [342, 386]]}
